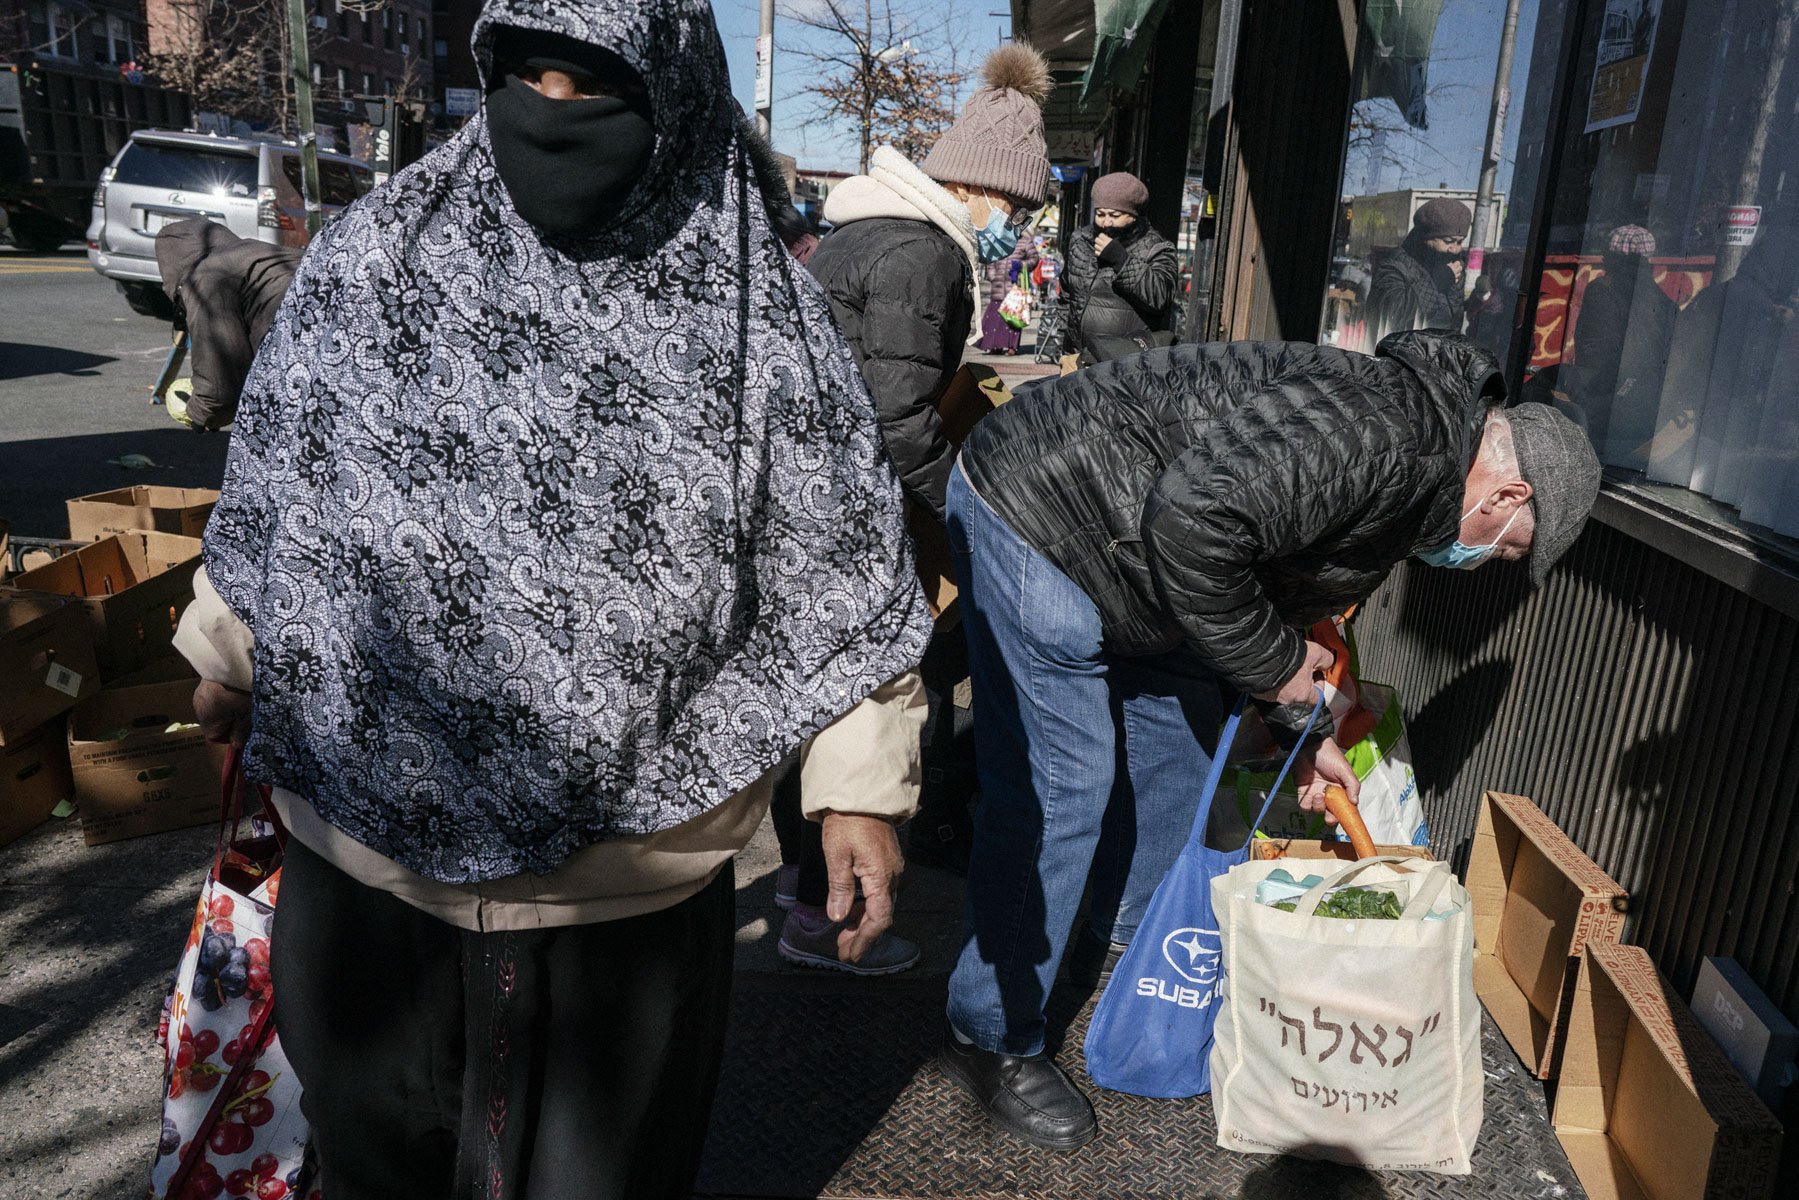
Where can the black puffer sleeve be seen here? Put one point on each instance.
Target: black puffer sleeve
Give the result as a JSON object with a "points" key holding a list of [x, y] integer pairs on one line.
{"points": [[1272, 478], [912, 293], [1148, 274]]}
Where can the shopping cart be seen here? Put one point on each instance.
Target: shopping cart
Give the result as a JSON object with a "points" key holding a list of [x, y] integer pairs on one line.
{"points": [[1050, 320]]}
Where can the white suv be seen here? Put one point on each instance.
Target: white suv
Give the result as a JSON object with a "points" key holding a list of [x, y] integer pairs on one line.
{"points": [[251, 187]]}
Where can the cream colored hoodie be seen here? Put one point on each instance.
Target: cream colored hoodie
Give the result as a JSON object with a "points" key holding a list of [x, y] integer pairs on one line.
{"points": [[864, 762], [896, 189]]}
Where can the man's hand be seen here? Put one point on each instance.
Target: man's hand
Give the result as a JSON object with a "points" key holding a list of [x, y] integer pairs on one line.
{"points": [[1323, 766], [223, 712], [1101, 242], [866, 850], [1302, 688]]}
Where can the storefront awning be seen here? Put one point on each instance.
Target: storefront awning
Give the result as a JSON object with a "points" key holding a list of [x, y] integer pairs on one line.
{"points": [[1395, 47], [1124, 30], [1061, 29]]}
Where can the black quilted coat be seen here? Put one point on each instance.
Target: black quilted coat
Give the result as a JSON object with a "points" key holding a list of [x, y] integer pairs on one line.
{"points": [[900, 291], [1125, 291], [1222, 497]]}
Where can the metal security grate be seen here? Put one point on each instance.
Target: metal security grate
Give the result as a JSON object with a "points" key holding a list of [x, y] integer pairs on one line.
{"points": [[1646, 707]]}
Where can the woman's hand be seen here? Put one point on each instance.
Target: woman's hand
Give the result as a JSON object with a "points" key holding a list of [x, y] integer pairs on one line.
{"points": [[223, 712]]}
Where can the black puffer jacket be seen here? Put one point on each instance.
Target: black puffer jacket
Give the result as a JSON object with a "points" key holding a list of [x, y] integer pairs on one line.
{"points": [[1128, 289], [228, 290], [1413, 289], [1223, 497], [900, 291]]}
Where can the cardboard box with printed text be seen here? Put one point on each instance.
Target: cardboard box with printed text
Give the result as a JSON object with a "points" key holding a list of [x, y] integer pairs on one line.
{"points": [[1647, 1106], [1537, 902], [34, 779], [46, 662], [164, 509], [132, 586], [140, 763]]}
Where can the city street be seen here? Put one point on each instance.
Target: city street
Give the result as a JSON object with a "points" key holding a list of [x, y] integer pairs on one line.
{"points": [[76, 367]]}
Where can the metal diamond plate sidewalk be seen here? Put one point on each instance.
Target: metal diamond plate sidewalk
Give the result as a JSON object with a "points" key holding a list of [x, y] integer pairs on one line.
{"points": [[830, 1089]]}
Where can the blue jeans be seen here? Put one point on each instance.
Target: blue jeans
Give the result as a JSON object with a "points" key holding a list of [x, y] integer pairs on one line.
{"points": [[1090, 770]]}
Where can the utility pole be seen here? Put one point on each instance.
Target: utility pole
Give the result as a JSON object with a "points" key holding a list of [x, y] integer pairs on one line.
{"points": [[300, 67], [765, 73], [1485, 215]]}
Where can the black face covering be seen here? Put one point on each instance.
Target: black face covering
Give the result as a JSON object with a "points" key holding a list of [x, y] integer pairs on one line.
{"points": [[567, 164]]}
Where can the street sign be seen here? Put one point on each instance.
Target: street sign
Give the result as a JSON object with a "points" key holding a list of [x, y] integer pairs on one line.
{"points": [[462, 102], [765, 61]]}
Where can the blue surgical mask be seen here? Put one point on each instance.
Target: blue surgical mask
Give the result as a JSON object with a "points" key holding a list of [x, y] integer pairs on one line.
{"points": [[996, 239], [1458, 555]]}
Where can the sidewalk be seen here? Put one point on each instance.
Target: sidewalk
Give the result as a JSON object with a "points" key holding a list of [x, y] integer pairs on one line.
{"points": [[829, 1087]]}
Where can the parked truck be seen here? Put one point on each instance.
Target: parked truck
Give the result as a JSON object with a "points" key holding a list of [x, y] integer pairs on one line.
{"points": [[61, 124]]}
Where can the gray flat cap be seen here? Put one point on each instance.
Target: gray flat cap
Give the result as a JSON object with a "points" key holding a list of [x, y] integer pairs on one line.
{"points": [[1558, 462]]}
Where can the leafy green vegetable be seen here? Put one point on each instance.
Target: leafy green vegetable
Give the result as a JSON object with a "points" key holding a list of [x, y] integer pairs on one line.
{"points": [[1355, 904]]}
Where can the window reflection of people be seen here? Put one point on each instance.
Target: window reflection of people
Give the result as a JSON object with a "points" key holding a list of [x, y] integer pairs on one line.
{"points": [[1494, 302], [1722, 377], [1620, 335], [1419, 285]]}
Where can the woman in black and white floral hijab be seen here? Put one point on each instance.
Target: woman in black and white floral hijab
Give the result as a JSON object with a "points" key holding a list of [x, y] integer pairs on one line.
{"points": [[556, 515]]}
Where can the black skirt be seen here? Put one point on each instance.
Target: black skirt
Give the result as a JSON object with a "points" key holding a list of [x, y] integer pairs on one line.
{"points": [[574, 1063]]}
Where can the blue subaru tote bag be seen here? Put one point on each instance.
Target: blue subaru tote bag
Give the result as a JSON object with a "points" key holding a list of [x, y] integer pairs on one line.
{"points": [[1151, 1034]]}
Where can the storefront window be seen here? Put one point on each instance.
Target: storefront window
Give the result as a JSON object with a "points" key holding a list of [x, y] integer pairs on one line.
{"points": [[1668, 315], [1434, 227], [1637, 259]]}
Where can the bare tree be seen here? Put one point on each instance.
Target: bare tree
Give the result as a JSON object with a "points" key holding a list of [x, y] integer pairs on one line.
{"points": [[231, 56], [872, 72]]}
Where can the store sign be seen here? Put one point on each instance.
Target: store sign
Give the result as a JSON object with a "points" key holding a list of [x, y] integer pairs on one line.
{"points": [[1740, 224], [462, 102]]}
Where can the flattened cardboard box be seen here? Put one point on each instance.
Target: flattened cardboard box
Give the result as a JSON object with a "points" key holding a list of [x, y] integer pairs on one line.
{"points": [[133, 587], [34, 778], [175, 510], [1537, 902], [46, 662], [132, 775], [1648, 1107]]}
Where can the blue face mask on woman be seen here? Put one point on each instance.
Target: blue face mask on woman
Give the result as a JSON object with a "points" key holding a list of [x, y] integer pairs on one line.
{"points": [[996, 239], [1458, 555]]}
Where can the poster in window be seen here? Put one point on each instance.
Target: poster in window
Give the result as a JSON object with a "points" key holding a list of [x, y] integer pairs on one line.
{"points": [[1626, 41]]}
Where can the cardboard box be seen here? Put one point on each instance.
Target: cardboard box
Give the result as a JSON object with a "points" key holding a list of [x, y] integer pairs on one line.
{"points": [[133, 776], [1648, 1107], [164, 509], [1306, 848], [46, 662], [1537, 902], [34, 778], [133, 587]]}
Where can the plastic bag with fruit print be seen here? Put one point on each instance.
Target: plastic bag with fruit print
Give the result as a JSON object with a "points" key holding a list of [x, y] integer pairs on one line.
{"points": [[231, 1121]]}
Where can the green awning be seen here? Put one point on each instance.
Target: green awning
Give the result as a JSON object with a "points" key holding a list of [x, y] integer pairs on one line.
{"points": [[1394, 54], [1123, 32]]}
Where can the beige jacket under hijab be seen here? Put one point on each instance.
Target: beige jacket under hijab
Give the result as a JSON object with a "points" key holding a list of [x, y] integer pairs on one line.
{"points": [[864, 762], [896, 189]]}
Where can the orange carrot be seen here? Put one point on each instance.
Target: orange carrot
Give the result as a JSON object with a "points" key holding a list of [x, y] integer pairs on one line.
{"points": [[1338, 804]]}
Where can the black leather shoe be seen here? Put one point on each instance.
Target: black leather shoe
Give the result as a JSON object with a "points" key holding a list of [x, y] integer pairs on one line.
{"points": [[1029, 1098]]}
